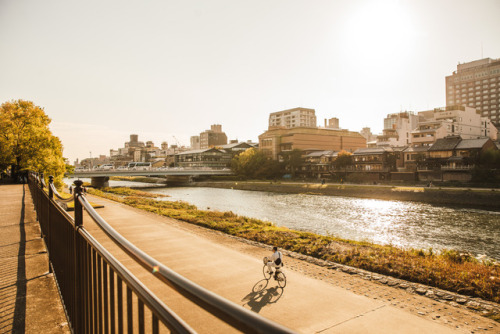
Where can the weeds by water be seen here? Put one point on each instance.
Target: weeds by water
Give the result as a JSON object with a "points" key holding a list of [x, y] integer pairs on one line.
{"points": [[449, 270]]}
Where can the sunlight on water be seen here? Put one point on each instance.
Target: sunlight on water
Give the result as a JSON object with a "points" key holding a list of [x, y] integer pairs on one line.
{"points": [[403, 224]]}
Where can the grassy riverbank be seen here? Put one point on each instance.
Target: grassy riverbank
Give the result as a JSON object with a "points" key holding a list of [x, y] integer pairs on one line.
{"points": [[449, 270]]}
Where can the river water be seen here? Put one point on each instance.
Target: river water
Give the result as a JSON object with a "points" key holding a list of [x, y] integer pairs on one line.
{"points": [[402, 224]]}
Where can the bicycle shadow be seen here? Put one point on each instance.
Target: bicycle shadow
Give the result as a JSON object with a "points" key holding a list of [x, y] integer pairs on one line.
{"points": [[262, 296]]}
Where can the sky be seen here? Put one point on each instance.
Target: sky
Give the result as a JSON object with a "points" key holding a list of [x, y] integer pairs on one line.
{"points": [[167, 70]]}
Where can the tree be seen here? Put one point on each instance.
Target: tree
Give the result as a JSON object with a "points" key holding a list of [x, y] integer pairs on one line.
{"points": [[343, 160], [253, 164], [26, 142], [292, 160]]}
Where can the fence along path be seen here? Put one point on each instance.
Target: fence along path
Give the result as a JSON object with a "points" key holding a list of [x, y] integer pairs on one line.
{"points": [[101, 295]]}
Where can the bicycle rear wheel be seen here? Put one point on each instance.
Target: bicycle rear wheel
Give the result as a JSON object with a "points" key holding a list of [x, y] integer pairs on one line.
{"points": [[281, 279], [267, 275]]}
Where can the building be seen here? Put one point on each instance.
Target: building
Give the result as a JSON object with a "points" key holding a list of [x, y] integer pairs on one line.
{"points": [[332, 123], [455, 157], [235, 148], [195, 142], [476, 84], [293, 118], [397, 129], [369, 136], [211, 158], [213, 137], [277, 140], [451, 120]]}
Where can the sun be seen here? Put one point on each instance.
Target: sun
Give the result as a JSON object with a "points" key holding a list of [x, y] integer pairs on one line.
{"points": [[380, 30]]}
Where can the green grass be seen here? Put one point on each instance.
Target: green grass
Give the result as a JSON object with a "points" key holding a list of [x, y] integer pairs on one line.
{"points": [[449, 270]]}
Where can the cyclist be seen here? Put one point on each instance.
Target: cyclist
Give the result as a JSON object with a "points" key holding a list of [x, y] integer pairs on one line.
{"points": [[275, 261]]}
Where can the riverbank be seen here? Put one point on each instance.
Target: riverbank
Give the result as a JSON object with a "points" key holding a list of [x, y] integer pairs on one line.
{"points": [[449, 270], [478, 198]]}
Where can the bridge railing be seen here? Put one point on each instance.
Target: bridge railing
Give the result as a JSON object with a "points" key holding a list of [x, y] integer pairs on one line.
{"points": [[99, 294]]}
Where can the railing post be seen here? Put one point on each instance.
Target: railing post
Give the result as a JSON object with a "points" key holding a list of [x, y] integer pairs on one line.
{"points": [[49, 236], [78, 319], [39, 206]]}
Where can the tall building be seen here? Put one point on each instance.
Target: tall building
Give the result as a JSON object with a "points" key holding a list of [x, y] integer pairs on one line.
{"points": [[213, 137], [476, 84], [292, 118]]}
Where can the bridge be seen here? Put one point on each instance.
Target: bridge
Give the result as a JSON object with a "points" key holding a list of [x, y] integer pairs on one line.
{"points": [[100, 178]]}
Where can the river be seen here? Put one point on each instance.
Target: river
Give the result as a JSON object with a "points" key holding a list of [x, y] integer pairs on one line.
{"points": [[402, 224]]}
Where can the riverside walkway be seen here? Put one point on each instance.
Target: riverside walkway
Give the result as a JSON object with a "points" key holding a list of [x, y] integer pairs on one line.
{"points": [[29, 300], [315, 300]]}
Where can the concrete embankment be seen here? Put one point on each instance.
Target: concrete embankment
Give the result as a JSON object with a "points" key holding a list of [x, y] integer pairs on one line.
{"points": [[483, 198]]}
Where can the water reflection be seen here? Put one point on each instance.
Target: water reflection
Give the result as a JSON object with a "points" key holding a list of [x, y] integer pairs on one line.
{"points": [[403, 224]]}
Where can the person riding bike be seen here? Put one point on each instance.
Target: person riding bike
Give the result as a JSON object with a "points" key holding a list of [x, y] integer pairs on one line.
{"points": [[276, 261]]}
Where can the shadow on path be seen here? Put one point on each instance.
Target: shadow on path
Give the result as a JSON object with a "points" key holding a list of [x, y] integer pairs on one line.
{"points": [[20, 308], [262, 296]]}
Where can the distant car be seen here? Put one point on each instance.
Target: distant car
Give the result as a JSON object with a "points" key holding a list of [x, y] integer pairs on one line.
{"points": [[122, 168], [107, 167]]}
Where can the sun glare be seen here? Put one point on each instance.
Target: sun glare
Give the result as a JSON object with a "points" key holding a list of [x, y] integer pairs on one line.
{"points": [[381, 31]]}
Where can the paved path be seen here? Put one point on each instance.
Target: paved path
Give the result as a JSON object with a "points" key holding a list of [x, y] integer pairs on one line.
{"points": [[321, 302], [29, 301]]}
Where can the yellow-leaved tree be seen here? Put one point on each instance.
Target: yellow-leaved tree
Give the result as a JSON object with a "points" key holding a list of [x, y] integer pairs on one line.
{"points": [[26, 142]]}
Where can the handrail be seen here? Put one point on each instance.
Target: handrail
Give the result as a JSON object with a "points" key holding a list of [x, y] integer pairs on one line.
{"points": [[56, 193], [150, 299], [224, 309]]}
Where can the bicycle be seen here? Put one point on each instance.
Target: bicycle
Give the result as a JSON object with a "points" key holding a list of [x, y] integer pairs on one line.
{"points": [[279, 276]]}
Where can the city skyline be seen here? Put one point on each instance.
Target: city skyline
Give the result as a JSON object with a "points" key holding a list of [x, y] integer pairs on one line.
{"points": [[165, 69]]}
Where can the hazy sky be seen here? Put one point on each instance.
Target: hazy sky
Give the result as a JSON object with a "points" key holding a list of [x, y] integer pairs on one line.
{"points": [[105, 69]]}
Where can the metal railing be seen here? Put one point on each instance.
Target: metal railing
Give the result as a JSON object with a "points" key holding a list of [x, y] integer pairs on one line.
{"points": [[99, 294]]}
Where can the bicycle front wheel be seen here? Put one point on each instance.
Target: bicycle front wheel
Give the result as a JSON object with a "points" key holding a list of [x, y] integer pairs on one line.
{"points": [[267, 275], [281, 279]]}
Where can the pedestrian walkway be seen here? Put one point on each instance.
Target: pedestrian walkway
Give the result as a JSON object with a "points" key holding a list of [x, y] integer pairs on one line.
{"points": [[233, 269], [29, 301]]}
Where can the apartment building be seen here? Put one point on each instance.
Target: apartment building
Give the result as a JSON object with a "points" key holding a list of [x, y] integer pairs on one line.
{"points": [[293, 118], [451, 120], [476, 84]]}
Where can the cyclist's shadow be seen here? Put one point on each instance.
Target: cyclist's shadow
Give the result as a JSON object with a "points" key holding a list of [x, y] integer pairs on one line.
{"points": [[260, 296]]}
